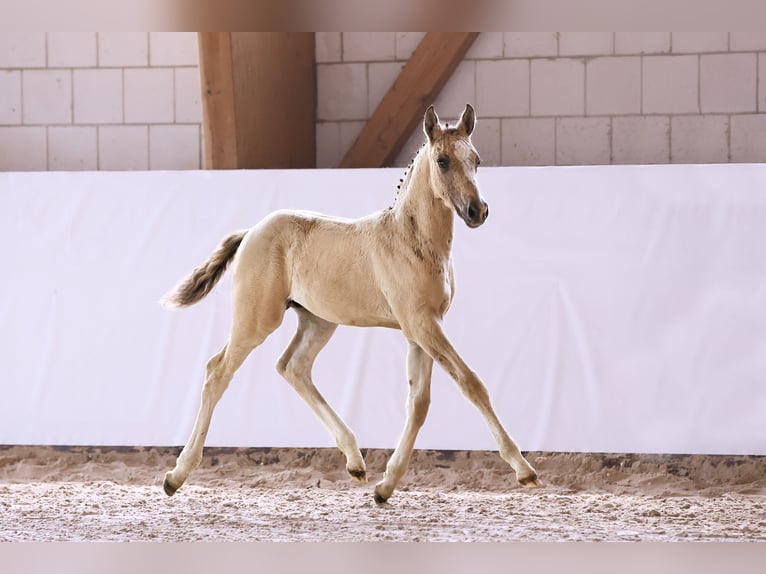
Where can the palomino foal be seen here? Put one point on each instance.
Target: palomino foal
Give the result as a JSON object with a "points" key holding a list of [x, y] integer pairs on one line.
{"points": [[392, 269]]}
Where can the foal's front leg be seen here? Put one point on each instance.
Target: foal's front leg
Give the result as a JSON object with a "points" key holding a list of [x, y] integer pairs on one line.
{"points": [[431, 337], [419, 367]]}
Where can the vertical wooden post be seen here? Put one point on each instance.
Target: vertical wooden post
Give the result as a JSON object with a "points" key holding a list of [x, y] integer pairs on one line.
{"points": [[218, 121], [259, 99]]}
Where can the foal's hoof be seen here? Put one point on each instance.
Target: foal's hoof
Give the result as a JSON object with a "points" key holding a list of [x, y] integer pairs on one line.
{"points": [[169, 489], [379, 498], [531, 481], [358, 474]]}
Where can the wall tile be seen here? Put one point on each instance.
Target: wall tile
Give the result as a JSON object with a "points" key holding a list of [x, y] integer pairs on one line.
{"points": [[23, 149], [486, 140], [173, 49], [10, 97], [558, 87], [149, 95], [728, 83], [747, 41], [368, 46], [530, 44], [583, 141], [748, 138], [406, 42], [762, 82], [414, 143], [123, 49], [381, 77], [459, 90], [586, 43], [342, 92], [641, 140], [699, 139], [529, 141], [327, 46], [202, 158], [97, 96], [47, 96], [174, 147], [641, 42], [72, 148], [328, 152], [71, 49], [188, 95], [488, 45], [349, 131], [670, 85], [22, 50], [686, 42], [122, 148], [502, 88], [613, 86]]}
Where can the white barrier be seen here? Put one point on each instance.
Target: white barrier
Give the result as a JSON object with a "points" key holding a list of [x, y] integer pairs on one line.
{"points": [[615, 308]]}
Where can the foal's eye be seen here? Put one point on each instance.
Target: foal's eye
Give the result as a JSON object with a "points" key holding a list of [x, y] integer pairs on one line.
{"points": [[443, 162], [478, 161]]}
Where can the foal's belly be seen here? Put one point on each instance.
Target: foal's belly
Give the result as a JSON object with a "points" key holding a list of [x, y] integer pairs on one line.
{"points": [[332, 268], [345, 306], [342, 294]]}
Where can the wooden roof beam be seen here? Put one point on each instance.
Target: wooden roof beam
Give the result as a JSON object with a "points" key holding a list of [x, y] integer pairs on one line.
{"points": [[418, 84]]}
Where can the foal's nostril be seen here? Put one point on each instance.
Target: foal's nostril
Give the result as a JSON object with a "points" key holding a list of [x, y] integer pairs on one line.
{"points": [[473, 212], [484, 211]]}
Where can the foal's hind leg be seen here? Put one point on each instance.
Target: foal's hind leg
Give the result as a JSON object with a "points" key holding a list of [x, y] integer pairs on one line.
{"points": [[249, 330], [419, 366], [220, 370], [295, 365]]}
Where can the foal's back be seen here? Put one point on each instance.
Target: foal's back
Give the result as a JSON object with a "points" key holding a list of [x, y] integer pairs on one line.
{"points": [[331, 266]]}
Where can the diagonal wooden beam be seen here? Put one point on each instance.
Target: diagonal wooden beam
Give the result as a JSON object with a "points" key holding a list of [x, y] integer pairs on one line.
{"points": [[418, 84]]}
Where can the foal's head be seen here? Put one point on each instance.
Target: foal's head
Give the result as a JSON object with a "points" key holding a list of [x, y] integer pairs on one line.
{"points": [[454, 161]]}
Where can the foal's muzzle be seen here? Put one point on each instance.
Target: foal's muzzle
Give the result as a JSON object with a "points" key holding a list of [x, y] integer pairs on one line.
{"points": [[476, 213]]}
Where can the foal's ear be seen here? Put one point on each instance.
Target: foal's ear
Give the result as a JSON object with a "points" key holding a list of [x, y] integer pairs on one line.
{"points": [[467, 120], [431, 124]]}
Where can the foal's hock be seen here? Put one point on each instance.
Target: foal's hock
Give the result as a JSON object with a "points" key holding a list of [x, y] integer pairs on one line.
{"points": [[392, 268]]}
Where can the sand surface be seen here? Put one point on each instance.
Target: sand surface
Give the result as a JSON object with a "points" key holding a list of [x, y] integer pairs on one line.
{"points": [[81, 493]]}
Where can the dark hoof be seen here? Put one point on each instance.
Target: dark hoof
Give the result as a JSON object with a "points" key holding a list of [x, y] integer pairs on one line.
{"points": [[358, 475], [379, 499], [169, 489], [531, 481]]}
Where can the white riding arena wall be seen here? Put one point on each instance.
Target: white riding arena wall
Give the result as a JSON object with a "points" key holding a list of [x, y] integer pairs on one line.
{"points": [[608, 309]]}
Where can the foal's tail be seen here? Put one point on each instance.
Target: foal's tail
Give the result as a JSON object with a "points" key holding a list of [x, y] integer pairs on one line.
{"points": [[202, 280]]}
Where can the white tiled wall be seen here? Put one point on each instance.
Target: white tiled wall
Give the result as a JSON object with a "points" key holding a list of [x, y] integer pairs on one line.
{"points": [[108, 100], [131, 100], [546, 98]]}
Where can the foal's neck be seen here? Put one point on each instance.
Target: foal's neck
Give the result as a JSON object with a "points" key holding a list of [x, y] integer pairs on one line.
{"points": [[417, 209]]}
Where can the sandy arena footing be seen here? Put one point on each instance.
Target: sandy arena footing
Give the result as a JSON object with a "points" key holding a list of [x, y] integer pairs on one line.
{"points": [[304, 494]]}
